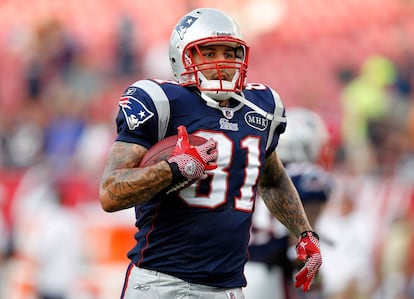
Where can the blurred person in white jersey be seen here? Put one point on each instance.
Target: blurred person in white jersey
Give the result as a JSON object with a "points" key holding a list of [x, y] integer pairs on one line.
{"points": [[48, 238], [368, 215], [302, 149]]}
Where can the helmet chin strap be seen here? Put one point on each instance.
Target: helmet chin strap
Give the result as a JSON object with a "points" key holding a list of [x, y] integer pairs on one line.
{"points": [[253, 106], [214, 96], [216, 104], [210, 102]]}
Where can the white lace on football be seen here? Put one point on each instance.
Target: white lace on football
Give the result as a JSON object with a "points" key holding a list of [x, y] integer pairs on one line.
{"points": [[177, 187]]}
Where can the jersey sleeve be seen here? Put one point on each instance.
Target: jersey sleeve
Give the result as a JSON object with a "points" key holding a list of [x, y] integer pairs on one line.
{"points": [[142, 119], [278, 124]]}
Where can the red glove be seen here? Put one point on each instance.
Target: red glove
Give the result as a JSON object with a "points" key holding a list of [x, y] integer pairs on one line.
{"points": [[308, 250], [189, 162]]}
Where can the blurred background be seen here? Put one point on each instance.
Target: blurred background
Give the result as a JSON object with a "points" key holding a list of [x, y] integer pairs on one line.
{"points": [[64, 64]]}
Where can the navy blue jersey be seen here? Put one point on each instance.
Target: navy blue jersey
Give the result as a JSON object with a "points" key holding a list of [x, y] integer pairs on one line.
{"points": [[201, 234]]}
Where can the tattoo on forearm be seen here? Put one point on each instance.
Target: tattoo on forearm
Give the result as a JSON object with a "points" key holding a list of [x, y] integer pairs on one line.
{"points": [[282, 199], [126, 184], [126, 188]]}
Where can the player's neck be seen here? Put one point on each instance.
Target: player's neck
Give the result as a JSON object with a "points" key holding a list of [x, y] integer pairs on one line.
{"points": [[229, 103], [224, 103]]}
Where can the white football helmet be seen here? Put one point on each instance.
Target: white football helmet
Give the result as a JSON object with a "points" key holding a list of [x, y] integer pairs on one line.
{"points": [[305, 136], [206, 26]]}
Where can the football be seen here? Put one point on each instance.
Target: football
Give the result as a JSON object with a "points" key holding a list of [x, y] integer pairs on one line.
{"points": [[162, 150]]}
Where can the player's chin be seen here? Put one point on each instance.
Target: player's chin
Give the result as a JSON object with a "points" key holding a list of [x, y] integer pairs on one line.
{"points": [[224, 78]]}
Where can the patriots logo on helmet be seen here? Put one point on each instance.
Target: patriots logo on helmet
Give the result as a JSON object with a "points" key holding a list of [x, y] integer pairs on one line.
{"points": [[135, 111], [185, 23]]}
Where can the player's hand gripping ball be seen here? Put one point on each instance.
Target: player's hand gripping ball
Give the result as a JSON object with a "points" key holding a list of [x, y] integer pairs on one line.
{"points": [[188, 156], [308, 250], [189, 162]]}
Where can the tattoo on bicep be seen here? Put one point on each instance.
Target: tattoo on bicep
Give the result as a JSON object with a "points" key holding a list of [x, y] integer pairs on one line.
{"points": [[126, 155]]}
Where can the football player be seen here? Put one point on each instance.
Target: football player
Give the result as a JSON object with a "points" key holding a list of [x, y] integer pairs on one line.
{"points": [[192, 243]]}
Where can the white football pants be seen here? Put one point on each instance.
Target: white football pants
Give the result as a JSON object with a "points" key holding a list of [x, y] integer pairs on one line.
{"points": [[148, 284]]}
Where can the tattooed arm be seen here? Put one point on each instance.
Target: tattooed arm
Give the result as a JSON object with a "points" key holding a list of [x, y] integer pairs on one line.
{"points": [[281, 197], [124, 184]]}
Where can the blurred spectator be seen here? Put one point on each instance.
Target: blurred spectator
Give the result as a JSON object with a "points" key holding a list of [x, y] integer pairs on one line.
{"points": [[128, 53], [405, 74], [366, 101], [48, 236], [64, 129], [65, 86], [345, 271], [51, 54], [367, 216], [22, 137], [95, 141], [403, 110]]}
